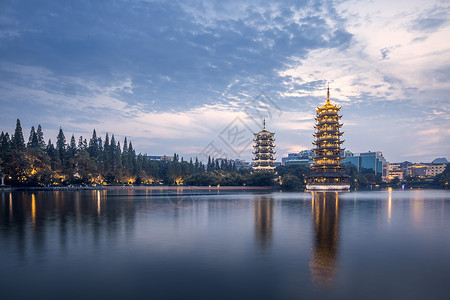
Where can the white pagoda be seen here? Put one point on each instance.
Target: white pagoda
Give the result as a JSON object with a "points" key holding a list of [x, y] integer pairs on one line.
{"points": [[263, 150]]}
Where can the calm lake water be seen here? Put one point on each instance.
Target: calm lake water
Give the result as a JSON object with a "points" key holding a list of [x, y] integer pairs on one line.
{"points": [[151, 244]]}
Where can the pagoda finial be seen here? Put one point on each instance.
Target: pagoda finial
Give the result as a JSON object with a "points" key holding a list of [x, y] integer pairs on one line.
{"points": [[264, 123], [328, 93]]}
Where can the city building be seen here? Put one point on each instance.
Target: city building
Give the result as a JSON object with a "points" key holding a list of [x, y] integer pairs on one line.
{"points": [[418, 170], [327, 173], [395, 171], [423, 170], [368, 162], [437, 166], [263, 150], [303, 158], [159, 157], [242, 164]]}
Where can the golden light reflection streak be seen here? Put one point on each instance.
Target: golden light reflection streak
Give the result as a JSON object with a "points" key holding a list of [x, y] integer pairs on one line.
{"points": [[389, 205], [314, 208], [10, 206], [337, 198], [98, 202], [33, 209]]}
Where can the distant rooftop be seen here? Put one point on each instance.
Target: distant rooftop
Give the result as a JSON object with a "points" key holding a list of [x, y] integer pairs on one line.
{"points": [[440, 160]]}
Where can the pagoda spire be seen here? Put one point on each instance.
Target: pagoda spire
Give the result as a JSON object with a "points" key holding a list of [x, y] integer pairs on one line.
{"points": [[264, 123], [328, 94]]}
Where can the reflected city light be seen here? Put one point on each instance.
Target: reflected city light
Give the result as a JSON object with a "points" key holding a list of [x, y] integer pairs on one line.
{"points": [[417, 203], [33, 209], [98, 202], [263, 207], [10, 206]]}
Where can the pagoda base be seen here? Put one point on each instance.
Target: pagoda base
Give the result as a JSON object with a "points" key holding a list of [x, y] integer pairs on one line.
{"points": [[328, 187]]}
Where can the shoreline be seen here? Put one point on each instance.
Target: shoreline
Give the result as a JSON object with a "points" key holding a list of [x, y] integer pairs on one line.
{"points": [[95, 188], [168, 188]]}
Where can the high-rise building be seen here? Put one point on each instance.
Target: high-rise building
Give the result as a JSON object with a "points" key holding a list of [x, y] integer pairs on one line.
{"points": [[368, 162], [263, 159], [327, 173]]}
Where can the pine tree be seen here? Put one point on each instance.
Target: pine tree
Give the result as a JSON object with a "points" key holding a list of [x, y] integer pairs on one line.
{"points": [[32, 140], [72, 147], [131, 159], [93, 146], [40, 137], [61, 145], [125, 157], [5, 153], [106, 154], [51, 152], [112, 149], [80, 144], [106, 145], [125, 146], [17, 141]]}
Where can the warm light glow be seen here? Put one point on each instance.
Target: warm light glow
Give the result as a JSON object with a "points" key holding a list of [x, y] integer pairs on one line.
{"points": [[10, 206], [33, 209], [98, 202]]}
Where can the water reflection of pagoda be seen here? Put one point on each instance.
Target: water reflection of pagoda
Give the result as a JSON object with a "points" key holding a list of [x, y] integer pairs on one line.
{"points": [[263, 150], [327, 173], [325, 215], [263, 207]]}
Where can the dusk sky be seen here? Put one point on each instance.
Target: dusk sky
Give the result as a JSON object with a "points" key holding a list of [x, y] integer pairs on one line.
{"points": [[178, 76]]}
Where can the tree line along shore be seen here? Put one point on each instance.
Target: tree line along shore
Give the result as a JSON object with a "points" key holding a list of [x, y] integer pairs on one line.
{"points": [[99, 162]]}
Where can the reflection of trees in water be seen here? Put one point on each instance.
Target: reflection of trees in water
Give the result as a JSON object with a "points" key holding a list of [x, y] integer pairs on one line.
{"points": [[263, 207], [325, 215], [35, 220]]}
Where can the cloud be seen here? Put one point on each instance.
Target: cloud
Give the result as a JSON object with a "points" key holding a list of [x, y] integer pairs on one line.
{"points": [[173, 74]]}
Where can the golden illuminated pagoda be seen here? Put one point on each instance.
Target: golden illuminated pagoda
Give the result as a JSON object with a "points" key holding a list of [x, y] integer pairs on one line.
{"points": [[263, 150], [327, 174]]}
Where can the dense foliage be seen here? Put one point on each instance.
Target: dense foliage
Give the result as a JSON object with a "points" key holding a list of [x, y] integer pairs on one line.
{"points": [[92, 161]]}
